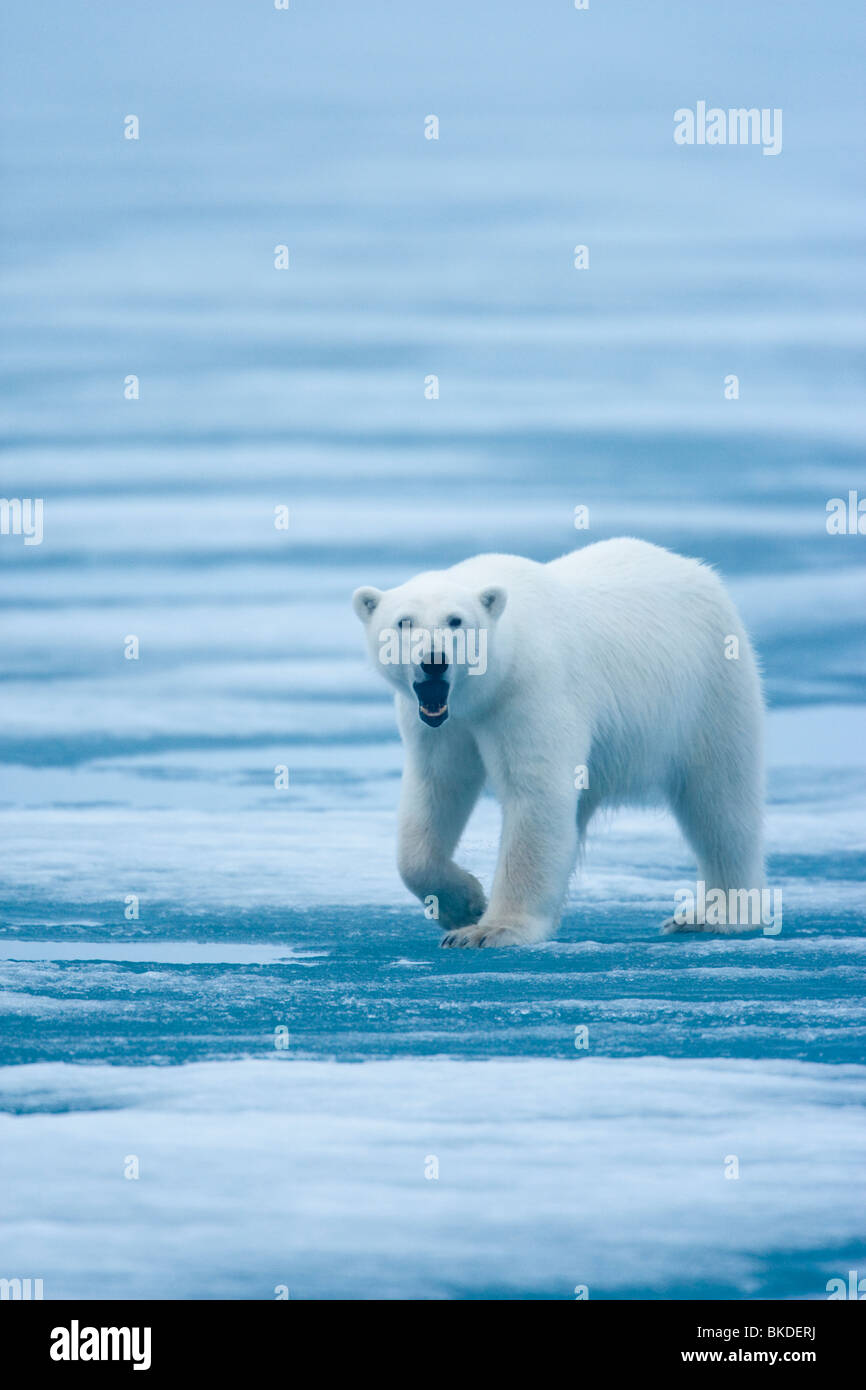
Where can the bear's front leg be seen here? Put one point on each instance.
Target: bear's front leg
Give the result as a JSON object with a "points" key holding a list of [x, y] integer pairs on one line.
{"points": [[442, 777], [536, 857]]}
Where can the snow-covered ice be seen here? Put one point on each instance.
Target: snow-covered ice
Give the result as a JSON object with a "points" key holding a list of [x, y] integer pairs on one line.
{"points": [[550, 1174]]}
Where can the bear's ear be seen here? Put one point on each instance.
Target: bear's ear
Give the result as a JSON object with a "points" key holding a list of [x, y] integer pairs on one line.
{"points": [[365, 601], [494, 601]]}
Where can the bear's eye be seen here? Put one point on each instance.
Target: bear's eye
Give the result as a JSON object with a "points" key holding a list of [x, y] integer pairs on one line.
{"points": [[454, 622]]}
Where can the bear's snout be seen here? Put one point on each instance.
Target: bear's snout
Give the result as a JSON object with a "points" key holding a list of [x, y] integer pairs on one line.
{"points": [[437, 667], [432, 694]]}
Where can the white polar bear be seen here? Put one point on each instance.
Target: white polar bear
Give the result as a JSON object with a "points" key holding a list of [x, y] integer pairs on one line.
{"points": [[618, 673]]}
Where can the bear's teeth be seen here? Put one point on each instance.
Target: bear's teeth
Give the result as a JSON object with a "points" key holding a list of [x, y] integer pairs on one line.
{"points": [[433, 713]]}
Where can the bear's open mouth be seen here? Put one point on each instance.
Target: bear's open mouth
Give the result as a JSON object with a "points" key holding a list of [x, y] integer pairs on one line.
{"points": [[432, 701]]}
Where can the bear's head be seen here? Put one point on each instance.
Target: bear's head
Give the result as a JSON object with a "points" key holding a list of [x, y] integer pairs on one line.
{"points": [[433, 639]]}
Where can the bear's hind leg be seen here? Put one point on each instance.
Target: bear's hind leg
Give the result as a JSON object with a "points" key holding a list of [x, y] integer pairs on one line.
{"points": [[719, 808]]}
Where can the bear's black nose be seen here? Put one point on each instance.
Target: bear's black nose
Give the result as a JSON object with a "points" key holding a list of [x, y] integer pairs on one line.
{"points": [[436, 667]]}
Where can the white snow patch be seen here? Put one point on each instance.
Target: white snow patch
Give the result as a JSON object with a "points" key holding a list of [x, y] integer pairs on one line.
{"points": [[551, 1173]]}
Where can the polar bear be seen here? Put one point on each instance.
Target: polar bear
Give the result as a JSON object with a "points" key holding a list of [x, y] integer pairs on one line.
{"points": [[620, 673]]}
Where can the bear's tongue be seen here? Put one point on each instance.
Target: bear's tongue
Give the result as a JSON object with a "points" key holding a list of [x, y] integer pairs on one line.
{"points": [[432, 701]]}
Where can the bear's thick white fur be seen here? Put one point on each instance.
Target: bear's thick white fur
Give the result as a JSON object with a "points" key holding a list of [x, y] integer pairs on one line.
{"points": [[616, 658]]}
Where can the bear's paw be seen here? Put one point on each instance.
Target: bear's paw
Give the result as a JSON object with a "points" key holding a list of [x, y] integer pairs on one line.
{"points": [[494, 934]]}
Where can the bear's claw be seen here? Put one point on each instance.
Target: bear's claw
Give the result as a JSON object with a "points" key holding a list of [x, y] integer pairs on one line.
{"points": [[486, 936], [671, 927]]}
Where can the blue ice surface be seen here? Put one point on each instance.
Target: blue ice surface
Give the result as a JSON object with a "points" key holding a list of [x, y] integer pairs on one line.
{"points": [[262, 910]]}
